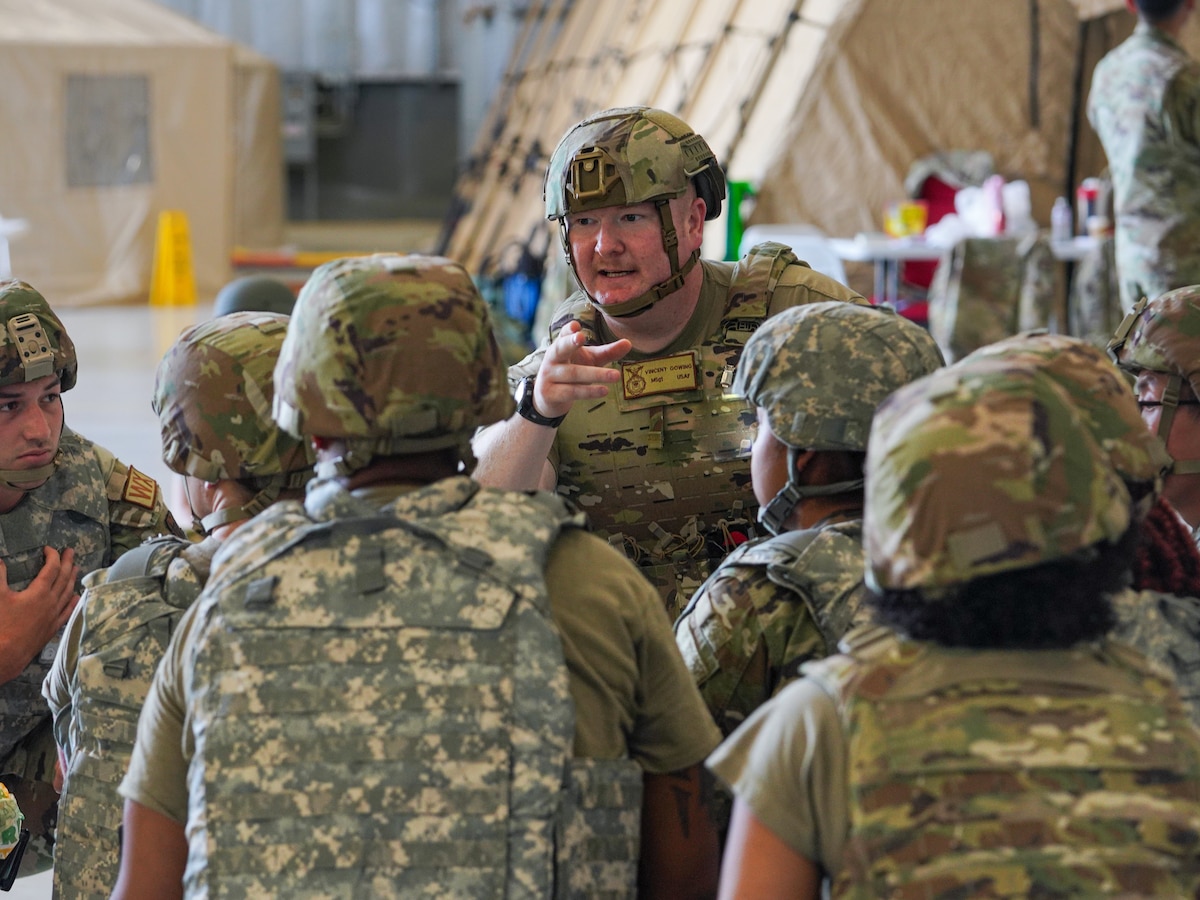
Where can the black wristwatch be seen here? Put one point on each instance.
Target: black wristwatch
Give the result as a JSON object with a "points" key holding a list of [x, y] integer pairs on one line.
{"points": [[526, 408]]}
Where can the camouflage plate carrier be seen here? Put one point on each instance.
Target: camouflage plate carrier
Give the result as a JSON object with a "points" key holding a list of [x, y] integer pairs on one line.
{"points": [[128, 619], [1013, 780], [381, 708], [666, 477]]}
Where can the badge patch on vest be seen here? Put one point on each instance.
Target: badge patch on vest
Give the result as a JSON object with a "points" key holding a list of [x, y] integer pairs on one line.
{"points": [[140, 490], [662, 375]]}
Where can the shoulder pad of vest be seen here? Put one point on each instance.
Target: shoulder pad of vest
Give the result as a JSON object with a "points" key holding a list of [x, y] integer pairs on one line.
{"points": [[147, 557]]}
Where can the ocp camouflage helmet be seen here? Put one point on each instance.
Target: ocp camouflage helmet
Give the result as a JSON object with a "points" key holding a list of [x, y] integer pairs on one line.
{"points": [[973, 471], [213, 394], [35, 343], [1099, 392], [1162, 335], [819, 371], [393, 354], [629, 155]]}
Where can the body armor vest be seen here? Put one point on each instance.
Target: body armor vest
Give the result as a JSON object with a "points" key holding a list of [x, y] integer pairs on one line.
{"points": [[381, 708], [666, 476], [128, 621], [1013, 774], [69, 510]]}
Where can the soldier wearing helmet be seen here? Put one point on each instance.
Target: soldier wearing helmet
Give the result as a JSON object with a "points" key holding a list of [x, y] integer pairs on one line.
{"points": [[67, 506], [625, 406], [402, 686], [1159, 344], [985, 738], [816, 373], [213, 395]]}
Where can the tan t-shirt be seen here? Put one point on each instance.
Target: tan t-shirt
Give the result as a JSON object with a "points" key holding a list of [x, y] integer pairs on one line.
{"points": [[633, 695]]}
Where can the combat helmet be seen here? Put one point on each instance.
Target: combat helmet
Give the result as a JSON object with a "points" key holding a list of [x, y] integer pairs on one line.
{"points": [[819, 372], [35, 344], [1163, 335], [628, 155], [212, 394], [393, 355], [1099, 393], [254, 293], [979, 470]]}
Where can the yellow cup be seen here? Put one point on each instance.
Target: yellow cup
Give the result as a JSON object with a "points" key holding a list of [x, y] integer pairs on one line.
{"points": [[906, 218]]}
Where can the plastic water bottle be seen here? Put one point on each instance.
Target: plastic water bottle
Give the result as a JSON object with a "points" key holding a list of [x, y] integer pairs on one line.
{"points": [[1061, 229]]}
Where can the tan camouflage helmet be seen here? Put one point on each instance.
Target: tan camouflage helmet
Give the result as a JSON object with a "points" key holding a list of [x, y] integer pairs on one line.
{"points": [[1163, 335], [1099, 392], [818, 372], [35, 342], [393, 354], [213, 394], [630, 155], [974, 471]]}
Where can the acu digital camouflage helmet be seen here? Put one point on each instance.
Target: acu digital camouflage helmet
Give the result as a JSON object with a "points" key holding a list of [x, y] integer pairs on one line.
{"points": [[392, 354], [35, 343], [1099, 392], [630, 155], [818, 372], [974, 471], [1163, 335], [213, 394]]}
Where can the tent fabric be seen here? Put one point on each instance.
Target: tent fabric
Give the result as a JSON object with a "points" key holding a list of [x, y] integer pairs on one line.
{"points": [[822, 105], [116, 111]]}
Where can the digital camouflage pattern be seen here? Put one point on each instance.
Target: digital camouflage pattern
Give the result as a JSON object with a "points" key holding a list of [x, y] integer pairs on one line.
{"points": [[666, 477], [212, 395], [340, 375], [1098, 390], [1166, 628], [1013, 774], [110, 651], [977, 470], [33, 349], [629, 155], [1145, 106], [380, 705], [819, 371], [989, 288], [771, 606], [1163, 335]]}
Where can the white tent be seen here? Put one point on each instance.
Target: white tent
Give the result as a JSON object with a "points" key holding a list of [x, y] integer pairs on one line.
{"points": [[822, 105], [117, 110]]}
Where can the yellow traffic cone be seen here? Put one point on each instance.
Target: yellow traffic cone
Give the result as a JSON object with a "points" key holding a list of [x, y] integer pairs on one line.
{"points": [[173, 282]]}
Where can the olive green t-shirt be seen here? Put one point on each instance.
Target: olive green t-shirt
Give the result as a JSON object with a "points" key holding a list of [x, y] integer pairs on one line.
{"points": [[633, 695]]}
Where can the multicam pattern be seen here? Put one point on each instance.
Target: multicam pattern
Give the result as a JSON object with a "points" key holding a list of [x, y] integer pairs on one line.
{"points": [[1008, 464], [410, 738], [667, 478], [340, 374], [988, 289], [625, 156], [17, 298], [1013, 775], [1099, 393], [1163, 335], [1145, 106], [770, 607], [119, 633], [213, 394], [819, 371]]}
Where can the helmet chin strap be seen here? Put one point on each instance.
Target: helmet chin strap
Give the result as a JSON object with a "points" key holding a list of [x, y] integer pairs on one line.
{"points": [[642, 302], [775, 514], [27, 479], [1170, 404]]}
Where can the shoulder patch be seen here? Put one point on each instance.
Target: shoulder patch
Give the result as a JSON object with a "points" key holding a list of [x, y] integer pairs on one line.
{"points": [[140, 490]]}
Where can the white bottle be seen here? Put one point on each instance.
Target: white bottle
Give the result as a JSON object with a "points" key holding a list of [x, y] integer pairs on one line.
{"points": [[1061, 229]]}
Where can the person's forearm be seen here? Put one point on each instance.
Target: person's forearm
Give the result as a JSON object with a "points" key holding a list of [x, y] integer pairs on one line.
{"points": [[512, 455]]}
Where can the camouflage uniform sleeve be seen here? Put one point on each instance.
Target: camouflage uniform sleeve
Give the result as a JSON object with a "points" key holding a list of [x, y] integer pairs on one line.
{"points": [[787, 763], [743, 637], [157, 773], [136, 509], [1181, 106]]}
